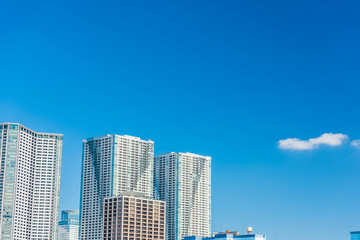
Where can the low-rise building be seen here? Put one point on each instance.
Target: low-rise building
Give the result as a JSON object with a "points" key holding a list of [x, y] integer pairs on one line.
{"points": [[355, 235], [230, 235], [69, 225]]}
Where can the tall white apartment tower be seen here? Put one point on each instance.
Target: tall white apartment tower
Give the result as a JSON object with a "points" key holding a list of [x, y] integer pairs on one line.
{"points": [[30, 173], [183, 180], [111, 165]]}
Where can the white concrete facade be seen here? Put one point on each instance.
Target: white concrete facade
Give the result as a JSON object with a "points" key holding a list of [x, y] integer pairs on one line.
{"points": [[112, 164], [183, 180], [30, 173]]}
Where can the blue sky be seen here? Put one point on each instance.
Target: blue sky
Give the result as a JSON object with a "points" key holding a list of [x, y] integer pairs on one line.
{"points": [[228, 79]]}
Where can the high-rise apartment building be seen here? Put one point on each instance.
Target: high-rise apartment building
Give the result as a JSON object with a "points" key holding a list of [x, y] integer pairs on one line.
{"points": [[132, 216], [30, 173], [69, 225], [183, 181], [112, 164]]}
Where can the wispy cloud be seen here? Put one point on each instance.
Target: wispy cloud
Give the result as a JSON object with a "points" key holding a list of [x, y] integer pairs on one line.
{"points": [[329, 139], [355, 143]]}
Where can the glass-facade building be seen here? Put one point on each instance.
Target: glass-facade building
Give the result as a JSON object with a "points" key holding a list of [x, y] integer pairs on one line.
{"points": [[69, 225], [183, 181], [355, 235], [30, 170], [112, 164], [230, 237]]}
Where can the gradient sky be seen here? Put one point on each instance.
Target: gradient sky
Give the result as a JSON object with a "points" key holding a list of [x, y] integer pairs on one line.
{"points": [[228, 79]]}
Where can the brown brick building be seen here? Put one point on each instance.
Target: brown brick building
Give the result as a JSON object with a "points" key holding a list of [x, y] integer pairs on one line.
{"points": [[133, 217]]}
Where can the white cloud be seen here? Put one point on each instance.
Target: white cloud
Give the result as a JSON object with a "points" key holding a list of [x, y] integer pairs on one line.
{"points": [[325, 139], [355, 143], [295, 143]]}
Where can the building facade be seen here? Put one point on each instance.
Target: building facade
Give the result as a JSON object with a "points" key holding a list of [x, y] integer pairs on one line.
{"points": [[132, 216], [228, 235], [355, 235], [30, 173], [69, 225], [183, 181], [112, 164]]}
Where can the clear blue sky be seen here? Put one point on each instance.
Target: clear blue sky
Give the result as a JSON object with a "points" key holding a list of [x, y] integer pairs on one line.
{"points": [[227, 79]]}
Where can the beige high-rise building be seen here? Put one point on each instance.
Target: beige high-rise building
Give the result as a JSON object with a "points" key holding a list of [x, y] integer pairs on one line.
{"points": [[132, 216]]}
